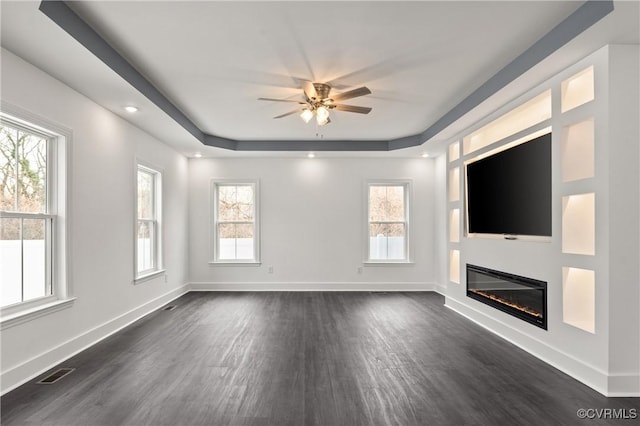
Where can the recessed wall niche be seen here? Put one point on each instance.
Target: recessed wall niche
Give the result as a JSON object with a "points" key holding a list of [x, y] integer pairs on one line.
{"points": [[578, 224], [526, 115], [578, 160], [578, 298], [577, 90], [454, 151], [454, 225], [454, 266], [454, 184]]}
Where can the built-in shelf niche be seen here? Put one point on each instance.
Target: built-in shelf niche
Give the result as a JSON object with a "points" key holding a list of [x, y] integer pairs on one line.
{"points": [[454, 225], [454, 184], [526, 115], [578, 210], [578, 224], [454, 151], [578, 157], [578, 298], [577, 90], [454, 266]]}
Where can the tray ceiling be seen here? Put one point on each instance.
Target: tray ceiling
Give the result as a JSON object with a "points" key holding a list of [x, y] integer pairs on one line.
{"points": [[212, 60]]}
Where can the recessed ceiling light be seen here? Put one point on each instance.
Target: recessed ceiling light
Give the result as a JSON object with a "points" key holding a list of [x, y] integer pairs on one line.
{"points": [[425, 155], [131, 109], [311, 155], [197, 155]]}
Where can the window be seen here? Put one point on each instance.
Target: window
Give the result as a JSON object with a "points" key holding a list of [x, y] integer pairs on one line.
{"points": [[388, 226], [235, 225], [32, 218], [148, 251]]}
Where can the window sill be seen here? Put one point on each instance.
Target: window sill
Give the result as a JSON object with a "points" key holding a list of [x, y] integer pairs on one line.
{"points": [[235, 263], [34, 312], [388, 263], [149, 276]]}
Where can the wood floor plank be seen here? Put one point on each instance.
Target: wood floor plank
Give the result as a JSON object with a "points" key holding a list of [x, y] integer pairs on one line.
{"points": [[316, 358]]}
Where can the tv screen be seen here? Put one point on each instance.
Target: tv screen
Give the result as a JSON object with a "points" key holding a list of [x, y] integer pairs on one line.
{"points": [[510, 192]]}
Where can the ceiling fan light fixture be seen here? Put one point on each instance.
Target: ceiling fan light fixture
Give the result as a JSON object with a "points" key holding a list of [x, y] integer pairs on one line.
{"points": [[322, 122], [322, 115], [306, 115]]}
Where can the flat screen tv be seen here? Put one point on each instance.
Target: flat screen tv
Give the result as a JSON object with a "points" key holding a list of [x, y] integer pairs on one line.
{"points": [[510, 192]]}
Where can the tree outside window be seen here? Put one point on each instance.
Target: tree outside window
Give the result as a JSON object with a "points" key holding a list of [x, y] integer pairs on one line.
{"points": [[25, 216], [387, 222], [235, 226]]}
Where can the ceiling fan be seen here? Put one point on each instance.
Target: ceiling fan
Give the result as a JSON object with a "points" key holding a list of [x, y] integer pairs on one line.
{"points": [[318, 103]]}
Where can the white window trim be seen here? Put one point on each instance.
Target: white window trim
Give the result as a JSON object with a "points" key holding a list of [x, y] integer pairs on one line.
{"points": [[149, 276], [408, 195], [44, 306], [214, 222], [158, 244], [59, 197]]}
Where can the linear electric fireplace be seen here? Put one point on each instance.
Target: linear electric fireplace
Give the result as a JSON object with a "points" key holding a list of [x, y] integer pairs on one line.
{"points": [[524, 298]]}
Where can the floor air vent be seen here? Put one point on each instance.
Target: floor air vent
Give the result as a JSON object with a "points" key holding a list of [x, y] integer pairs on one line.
{"points": [[55, 376], [169, 308]]}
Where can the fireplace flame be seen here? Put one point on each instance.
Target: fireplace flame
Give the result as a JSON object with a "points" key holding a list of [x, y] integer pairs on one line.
{"points": [[504, 302]]}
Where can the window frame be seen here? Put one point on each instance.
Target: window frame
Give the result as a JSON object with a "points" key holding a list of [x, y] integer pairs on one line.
{"points": [[215, 243], [407, 184], [56, 216], [157, 246]]}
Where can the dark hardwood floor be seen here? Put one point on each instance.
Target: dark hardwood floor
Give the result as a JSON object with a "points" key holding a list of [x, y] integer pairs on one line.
{"points": [[286, 358]]}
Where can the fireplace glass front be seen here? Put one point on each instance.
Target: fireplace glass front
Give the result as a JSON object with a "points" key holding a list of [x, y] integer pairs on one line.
{"points": [[522, 297]]}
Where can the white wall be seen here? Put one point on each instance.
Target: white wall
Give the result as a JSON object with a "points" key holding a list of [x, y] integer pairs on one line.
{"points": [[312, 224], [101, 214], [624, 230]]}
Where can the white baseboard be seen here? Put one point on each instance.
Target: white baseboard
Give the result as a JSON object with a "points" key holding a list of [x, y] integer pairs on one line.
{"points": [[587, 374], [441, 289], [310, 286], [39, 364], [624, 385]]}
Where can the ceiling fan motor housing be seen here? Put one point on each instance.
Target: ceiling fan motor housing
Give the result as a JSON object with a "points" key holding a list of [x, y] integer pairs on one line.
{"points": [[322, 90]]}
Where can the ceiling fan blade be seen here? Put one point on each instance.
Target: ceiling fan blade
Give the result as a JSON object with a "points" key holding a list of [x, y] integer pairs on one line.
{"points": [[309, 90], [353, 108], [295, 111], [281, 100], [360, 91]]}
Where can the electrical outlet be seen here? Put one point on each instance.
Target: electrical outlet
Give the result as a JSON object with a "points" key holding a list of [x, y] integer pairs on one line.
{"points": [[271, 269], [359, 269]]}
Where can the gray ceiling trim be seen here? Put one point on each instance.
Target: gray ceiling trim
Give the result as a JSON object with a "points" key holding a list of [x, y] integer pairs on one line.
{"points": [[584, 17], [219, 142], [312, 145], [407, 142]]}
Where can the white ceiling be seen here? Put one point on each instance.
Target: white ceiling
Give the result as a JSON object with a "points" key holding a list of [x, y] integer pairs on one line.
{"points": [[214, 59]]}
